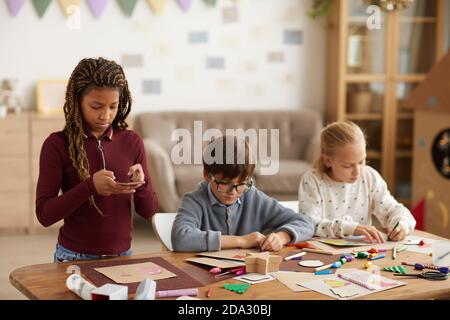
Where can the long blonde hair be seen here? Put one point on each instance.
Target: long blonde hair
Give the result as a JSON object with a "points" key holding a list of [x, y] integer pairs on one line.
{"points": [[335, 135]]}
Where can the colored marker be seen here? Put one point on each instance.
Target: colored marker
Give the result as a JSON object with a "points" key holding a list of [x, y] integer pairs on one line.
{"points": [[295, 256], [208, 294], [323, 272], [240, 270], [318, 251], [355, 237], [327, 266], [394, 252], [403, 248], [421, 266], [381, 256], [177, 293], [396, 225]]}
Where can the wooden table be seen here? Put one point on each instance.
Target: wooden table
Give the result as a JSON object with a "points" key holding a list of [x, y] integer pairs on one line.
{"points": [[48, 281]]}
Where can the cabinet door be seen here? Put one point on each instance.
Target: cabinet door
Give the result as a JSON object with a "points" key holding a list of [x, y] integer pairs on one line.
{"points": [[41, 128], [416, 54], [365, 48], [14, 135], [14, 211]]}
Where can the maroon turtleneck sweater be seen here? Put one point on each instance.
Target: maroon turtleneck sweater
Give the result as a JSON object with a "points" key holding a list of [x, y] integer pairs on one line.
{"points": [[84, 229]]}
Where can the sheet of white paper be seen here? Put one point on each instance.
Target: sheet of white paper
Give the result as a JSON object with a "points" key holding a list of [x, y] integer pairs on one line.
{"points": [[242, 278], [425, 249]]}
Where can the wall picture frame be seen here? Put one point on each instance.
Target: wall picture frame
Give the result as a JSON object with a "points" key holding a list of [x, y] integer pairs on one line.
{"points": [[51, 96]]}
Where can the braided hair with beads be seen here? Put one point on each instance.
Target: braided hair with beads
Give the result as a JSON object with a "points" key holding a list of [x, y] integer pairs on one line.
{"points": [[89, 74]]}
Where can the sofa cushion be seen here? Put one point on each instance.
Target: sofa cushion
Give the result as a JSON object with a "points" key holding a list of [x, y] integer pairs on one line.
{"points": [[286, 180], [187, 176]]}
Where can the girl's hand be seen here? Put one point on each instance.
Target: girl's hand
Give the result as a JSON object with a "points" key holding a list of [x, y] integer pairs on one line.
{"points": [[371, 233], [397, 234], [105, 184], [136, 173]]}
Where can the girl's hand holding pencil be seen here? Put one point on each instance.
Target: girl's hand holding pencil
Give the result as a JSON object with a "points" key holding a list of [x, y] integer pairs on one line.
{"points": [[398, 233]]}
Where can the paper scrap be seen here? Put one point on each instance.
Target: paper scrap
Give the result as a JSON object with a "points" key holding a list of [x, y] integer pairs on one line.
{"points": [[137, 272]]}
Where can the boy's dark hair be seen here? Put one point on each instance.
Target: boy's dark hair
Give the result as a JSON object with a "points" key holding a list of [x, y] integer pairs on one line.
{"points": [[240, 162], [92, 74]]}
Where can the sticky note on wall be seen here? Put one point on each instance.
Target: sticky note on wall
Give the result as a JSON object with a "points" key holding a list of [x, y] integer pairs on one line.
{"points": [[293, 37], [275, 56], [215, 63], [230, 14], [198, 37], [132, 61], [151, 86]]}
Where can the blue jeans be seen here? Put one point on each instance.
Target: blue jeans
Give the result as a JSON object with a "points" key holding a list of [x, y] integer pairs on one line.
{"points": [[63, 254]]}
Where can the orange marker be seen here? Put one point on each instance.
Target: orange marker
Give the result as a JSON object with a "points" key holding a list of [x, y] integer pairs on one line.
{"points": [[208, 294]]}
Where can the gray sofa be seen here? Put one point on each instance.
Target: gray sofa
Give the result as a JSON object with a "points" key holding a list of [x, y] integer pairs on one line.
{"points": [[298, 147]]}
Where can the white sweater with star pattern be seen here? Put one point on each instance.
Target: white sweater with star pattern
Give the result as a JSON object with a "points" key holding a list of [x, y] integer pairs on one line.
{"points": [[337, 207]]}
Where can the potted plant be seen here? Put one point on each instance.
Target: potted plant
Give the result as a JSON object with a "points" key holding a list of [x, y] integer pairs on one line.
{"points": [[320, 8]]}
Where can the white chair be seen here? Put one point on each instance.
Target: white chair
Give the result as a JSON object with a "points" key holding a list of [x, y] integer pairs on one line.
{"points": [[162, 225], [290, 204]]}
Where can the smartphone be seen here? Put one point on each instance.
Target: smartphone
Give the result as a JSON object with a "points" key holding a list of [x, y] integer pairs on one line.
{"points": [[130, 183]]}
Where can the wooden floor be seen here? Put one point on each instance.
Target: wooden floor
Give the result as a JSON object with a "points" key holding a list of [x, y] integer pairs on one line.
{"points": [[21, 250]]}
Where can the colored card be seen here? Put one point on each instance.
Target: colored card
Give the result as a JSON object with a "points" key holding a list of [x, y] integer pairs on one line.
{"points": [[343, 243], [220, 263], [14, 6], [132, 60], [276, 56], [97, 7], [185, 4], [67, 6], [229, 254], [127, 6], [151, 86], [338, 288], [230, 14], [137, 272], [294, 37], [254, 278], [215, 63], [157, 6], [198, 37], [41, 6]]}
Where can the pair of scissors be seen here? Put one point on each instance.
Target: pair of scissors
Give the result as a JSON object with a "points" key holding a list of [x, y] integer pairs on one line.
{"points": [[428, 275]]}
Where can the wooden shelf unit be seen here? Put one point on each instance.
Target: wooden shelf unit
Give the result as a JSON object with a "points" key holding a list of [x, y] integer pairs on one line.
{"points": [[371, 71]]}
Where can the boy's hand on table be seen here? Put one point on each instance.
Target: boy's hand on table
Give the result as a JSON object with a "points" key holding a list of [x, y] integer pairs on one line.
{"points": [[275, 241], [252, 240], [372, 234]]}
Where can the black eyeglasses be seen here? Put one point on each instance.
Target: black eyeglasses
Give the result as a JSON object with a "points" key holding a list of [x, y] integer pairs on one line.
{"points": [[227, 187]]}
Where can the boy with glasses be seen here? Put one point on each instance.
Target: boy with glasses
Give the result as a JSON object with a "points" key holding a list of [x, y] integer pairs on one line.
{"points": [[227, 211]]}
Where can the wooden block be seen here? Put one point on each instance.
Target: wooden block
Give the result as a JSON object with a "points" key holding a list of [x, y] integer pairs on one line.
{"points": [[262, 263], [110, 292]]}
